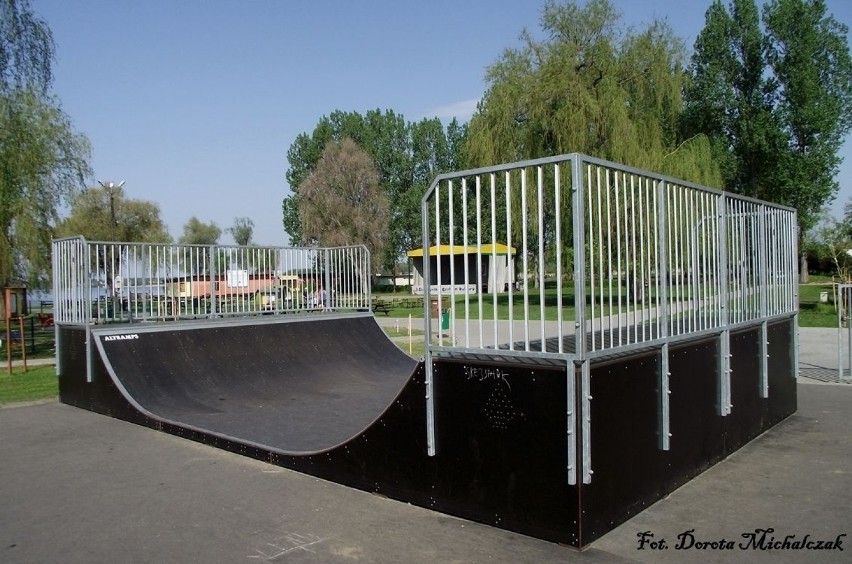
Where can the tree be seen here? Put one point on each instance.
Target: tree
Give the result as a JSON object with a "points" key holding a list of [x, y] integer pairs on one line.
{"points": [[42, 160], [729, 99], [341, 203], [26, 49], [589, 87], [105, 214], [242, 230], [809, 56], [196, 232], [831, 239], [776, 106], [403, 169]]}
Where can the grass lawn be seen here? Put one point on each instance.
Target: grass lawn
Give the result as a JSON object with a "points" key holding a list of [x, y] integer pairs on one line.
{"points": [[812, 312], [36, 384]]}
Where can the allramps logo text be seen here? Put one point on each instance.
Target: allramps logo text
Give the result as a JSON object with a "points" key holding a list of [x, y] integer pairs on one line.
{"points": [[126, 337]]}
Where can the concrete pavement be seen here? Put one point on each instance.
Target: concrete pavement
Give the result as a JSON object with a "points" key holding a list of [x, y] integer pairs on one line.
{"points": [[80, 487]]}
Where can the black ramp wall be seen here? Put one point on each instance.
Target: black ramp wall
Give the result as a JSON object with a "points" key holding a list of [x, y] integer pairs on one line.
{"points": [[331, 396]]}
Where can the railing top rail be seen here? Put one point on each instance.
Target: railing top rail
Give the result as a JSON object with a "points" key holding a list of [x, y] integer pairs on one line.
{"points": [[217, 245], [596, 161]]}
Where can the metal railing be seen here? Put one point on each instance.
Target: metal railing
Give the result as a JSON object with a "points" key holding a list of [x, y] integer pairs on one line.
{"points": [[843, 303], [110, 282], [607, 258]]}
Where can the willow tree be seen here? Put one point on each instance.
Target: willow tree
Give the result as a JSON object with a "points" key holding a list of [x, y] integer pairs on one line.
{"points": [[594, 87], [587, 85], [42, 159]]}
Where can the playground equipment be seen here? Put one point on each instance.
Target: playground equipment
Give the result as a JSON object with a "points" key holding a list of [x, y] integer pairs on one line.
{"points": [[650, 333], [14, 308]]}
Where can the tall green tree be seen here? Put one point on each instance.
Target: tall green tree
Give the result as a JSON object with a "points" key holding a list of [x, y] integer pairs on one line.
{"points": [[589, 86], [27, 50], [808, 52], [106, 214], [730, 99], [42, 160], [406, 157], [242, 230], [592, 86], [776, 104], [196, 232]]}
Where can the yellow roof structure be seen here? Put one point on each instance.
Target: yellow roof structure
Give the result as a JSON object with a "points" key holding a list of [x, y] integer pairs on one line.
{"points": [[434, 250]]}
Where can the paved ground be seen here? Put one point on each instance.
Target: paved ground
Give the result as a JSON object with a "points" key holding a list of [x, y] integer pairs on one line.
{"points": [[79, 487]]}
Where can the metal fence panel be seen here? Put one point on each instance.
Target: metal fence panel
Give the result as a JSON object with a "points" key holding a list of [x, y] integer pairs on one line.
{"points": [[109, 282], [605, 258]]}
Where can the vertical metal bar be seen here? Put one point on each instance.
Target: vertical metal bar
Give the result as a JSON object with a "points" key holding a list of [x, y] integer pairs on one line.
{"points": [[661, 258], [431, 446], [526, 276], [600, 264], [90, 352], [466, 269], [664, 415], [847, 306], [571, 421], [509, 243], [618, 267], [586, 418], [557, 200], [493, 269], [671, 205], [609, 272], [213, 280], [438, 261], [705, 272], [427, 317], [644, 283], [541, 265], [635, 263], [763, 289], [723, 369], [578, 217], [479, 279], [325, 294]]}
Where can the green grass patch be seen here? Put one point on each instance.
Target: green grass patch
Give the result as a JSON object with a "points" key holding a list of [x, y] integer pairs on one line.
{"points": [[812, 312], [38, 383], [403, 330], [416, 349]]}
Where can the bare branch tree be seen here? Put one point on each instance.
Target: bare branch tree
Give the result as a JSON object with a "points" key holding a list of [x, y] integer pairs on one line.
{"points": [[341, 202]]}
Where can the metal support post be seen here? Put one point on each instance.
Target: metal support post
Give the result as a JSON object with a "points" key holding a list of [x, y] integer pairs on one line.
{"points": [[571, 421], [586, 415], [724, 374], [664, 414]]}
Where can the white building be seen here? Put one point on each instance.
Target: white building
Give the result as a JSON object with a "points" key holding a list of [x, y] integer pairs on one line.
{"points": [[497, 262]]}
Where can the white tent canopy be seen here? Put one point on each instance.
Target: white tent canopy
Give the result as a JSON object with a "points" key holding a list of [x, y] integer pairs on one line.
{"points": [[497, 262]]}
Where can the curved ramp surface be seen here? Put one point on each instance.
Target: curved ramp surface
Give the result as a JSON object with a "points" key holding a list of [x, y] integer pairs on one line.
{"points": [[295, 386]]}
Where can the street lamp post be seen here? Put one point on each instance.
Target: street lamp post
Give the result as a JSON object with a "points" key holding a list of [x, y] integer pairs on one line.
{"points": [[110, 188]]}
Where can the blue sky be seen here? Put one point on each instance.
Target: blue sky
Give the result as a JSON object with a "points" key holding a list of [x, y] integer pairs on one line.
{"points": [[194, 103]]}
